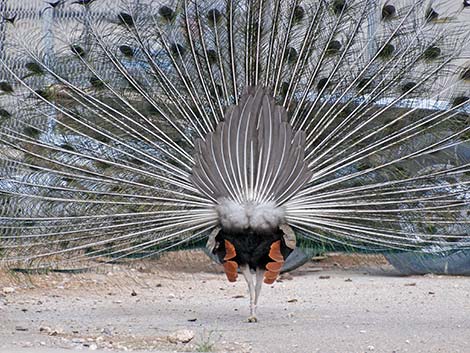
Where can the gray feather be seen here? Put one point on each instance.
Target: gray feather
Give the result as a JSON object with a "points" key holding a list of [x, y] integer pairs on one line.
{"points": [[258, 125]]}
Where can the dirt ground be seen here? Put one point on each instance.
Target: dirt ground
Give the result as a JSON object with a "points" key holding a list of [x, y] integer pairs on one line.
{"points": [[183, 303]]}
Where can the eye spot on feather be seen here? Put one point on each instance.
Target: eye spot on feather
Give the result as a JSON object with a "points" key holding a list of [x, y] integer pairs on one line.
{"points": [[126, 50], [432, 52], [34, 68], [213, 16], [364, 83], [284, 88], [388, 11], [67, 147], [339, 6], [299, 14], [43, 94], [177, 49], [211, 56], [407, 87], [167, 13], [291, 55], [431, 15], [4, 113], [78, 50], [460, 100], [322, 83], [334, 47], [466, 74], [31, 131], [126, 19], [6, 87], [387, 51], [96, 82]]}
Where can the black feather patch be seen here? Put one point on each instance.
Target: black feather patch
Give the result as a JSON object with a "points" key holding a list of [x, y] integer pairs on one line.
{"points": [[167, 13], [126, 19], [388, 11], [6, 87]]}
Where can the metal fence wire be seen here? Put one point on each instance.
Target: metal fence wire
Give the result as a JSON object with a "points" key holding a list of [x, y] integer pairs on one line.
{"points": [[48, 22]]}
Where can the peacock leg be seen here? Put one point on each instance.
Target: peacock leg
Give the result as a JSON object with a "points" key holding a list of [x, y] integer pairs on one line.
{"points": [[259, 285], [251, 289]]}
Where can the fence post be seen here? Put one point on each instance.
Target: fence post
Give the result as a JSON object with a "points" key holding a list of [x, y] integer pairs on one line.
{"points": [[3, 7]]}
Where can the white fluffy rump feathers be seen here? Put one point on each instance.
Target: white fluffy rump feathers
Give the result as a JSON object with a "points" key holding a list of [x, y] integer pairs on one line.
{"points": [[259, 217]]}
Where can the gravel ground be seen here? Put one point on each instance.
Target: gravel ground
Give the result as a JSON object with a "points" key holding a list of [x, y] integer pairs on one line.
{"points": [[340, 304]]}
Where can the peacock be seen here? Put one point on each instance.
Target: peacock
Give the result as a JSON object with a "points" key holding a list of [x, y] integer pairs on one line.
{"points": [[133, 127]]}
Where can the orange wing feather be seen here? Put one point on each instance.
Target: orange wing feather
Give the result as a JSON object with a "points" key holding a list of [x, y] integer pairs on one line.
{"points": [[274, 268], [275, 251], [230, 268], [230, 252]]}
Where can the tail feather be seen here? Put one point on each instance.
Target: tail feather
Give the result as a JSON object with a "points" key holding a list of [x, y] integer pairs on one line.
{"points": [[126, 122], [253, 156]]}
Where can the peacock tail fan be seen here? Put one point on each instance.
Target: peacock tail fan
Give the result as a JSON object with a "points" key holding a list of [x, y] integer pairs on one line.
{"points": [[128, 128]]}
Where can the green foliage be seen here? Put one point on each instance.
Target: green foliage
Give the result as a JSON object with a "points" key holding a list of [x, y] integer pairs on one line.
{"points": [[207, 343]]}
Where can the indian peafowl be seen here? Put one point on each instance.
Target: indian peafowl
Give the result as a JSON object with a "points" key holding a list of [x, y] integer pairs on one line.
{"points": [[135, 127]]}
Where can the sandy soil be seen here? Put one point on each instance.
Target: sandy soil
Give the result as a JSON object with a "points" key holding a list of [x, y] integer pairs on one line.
{"points": [[340, 304]]}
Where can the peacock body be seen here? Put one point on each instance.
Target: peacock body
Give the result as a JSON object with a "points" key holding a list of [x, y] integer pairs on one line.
{"points": [[133, 127]]}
